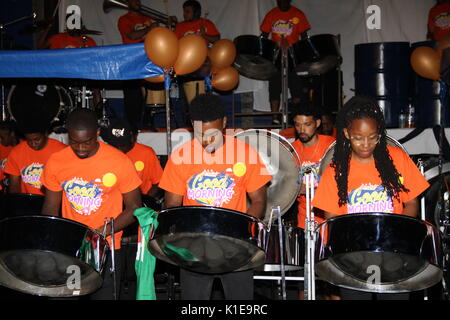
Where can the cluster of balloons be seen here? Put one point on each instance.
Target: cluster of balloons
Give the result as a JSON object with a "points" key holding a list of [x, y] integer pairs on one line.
{"points": [[426, 61], [188, 54]]}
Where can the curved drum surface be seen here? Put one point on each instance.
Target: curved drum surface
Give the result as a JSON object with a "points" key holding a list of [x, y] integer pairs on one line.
{"points": [[317, 55], [381, 253], [281, 161], [39, 255], [255, 57], [208, 239]]}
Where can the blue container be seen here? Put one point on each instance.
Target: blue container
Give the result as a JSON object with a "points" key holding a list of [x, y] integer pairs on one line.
{"points": [[383, 71]]}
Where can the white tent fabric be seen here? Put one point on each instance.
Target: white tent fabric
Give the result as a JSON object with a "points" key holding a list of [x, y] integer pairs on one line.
{"points": [[401, 20]]}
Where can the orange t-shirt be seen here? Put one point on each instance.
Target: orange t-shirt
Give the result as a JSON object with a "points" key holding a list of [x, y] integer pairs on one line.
{"points": [[310, 160], [92, 188], [4, 152], [131, 21], [65, 40], [147, 166], [193, 27], [221, 179], [28, 164], [291, 24], [365, 193], [439, 20]]}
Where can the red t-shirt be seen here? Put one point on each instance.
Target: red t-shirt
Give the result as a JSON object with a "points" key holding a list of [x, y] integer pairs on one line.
{"points": [[439, 20], [365, 193], [92, 188], [65, 40], [28, 164], [132, 21], [221, 179], [147, 166], [310, 160], [291, 24], [193, 27]]}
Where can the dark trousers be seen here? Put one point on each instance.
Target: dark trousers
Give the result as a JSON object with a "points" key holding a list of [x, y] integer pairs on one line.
{"points": [[106, 290], [198, 286]]}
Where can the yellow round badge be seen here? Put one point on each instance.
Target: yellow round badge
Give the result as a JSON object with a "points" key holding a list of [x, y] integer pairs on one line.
{"points": [[239, 169], [139, 165], [109, 179], [295, 20]]}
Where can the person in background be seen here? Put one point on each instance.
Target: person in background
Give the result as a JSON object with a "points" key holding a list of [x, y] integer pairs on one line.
{"points": [[289, 23], [439, 20], [327, 126], [26, 161], [213, 157], [366, 175], [90, 181]]}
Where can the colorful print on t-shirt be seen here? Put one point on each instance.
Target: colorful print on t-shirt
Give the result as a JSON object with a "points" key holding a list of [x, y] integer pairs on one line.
{"points": [[211, 188], [85, 197], [369, 198], [31, 174]]}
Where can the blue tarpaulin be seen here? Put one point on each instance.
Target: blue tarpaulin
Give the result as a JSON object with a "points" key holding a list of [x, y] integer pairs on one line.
{"points": [[120, 62]]}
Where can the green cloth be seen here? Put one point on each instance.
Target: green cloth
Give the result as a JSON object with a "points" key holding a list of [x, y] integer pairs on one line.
{"points": [[145, 261]]}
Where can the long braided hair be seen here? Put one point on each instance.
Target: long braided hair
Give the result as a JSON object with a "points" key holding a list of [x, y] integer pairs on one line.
{"points": [[362, 107]]}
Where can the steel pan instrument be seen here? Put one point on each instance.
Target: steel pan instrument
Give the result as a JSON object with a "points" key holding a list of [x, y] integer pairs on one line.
{"points": [[255, 57], [51, 256], [281, 161], [208, 240]]}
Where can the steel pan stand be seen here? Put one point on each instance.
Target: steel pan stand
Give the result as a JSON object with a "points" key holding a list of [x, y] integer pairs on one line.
{"points": [[284, 82], [113, 248], [310, 237]]}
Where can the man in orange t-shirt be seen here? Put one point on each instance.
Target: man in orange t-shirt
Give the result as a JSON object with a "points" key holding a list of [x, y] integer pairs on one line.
{"points": [[8, 140], [121, 135], [26, 161], [310, 147], [92, 181], [211, 156], [372, 177], [439, 20], [291, 23]]}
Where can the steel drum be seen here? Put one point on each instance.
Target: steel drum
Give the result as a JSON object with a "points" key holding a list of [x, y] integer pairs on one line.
{"points": [[294, 248], [255, 57], [208, 239], [281, 161], [380, 253], [42, 255], [20, 204], [328, 156], [316, 55]]}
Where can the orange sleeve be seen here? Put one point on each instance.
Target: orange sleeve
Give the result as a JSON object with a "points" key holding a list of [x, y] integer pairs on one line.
{"points": [[326, 195], [412, 178], [156, 169], [12, 166], [172, 180], [303, 24], [211, 29], [266, 25], [129, 179]]}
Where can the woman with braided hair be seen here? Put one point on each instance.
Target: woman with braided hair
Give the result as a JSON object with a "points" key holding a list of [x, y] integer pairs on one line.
{"points": [[366, 175]]}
